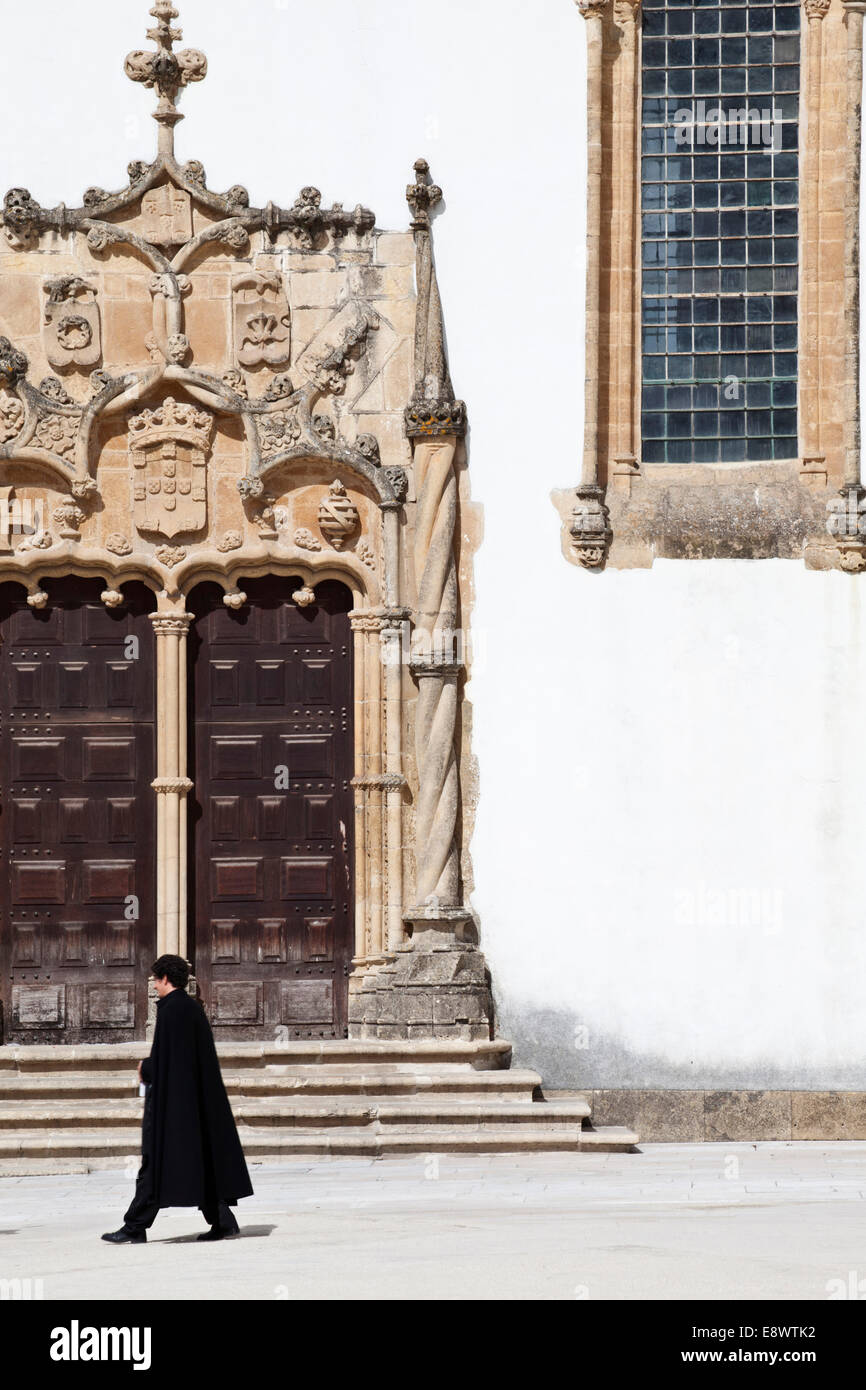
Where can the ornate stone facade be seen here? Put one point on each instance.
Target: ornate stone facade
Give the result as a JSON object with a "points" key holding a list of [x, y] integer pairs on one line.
{"points": [[253, 391]]}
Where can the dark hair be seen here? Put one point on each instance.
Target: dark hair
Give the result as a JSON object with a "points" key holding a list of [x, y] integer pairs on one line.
{"points": [[175, 967]]}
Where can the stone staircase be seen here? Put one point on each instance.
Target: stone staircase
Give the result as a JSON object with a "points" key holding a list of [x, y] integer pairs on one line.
{"points": [[72, 1109]]}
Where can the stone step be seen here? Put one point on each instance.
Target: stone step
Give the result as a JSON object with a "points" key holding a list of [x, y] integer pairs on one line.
{"points": [[281, 1081], [327, 1054], [300, 1113], [24, 1151], [73, 1109]]}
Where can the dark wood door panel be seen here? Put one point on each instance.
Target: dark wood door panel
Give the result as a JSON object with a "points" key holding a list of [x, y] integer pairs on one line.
{"points": [[271, 703], [77, 743]]}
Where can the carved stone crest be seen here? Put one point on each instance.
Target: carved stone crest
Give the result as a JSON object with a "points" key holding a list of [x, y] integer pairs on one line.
{"points": [[262, 321], [167, 216], [71, 325], [338, 516], [168, 450]]}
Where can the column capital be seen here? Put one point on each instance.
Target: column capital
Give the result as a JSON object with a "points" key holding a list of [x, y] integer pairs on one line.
{"points": [[592, 9], [365, 620], [166, 623], [179, 785], [816, 9], [435, 419], [626, 12]]}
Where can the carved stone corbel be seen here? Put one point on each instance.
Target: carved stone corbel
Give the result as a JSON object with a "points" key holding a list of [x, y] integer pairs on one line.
{"points": [[590, 526], [846, 523]]}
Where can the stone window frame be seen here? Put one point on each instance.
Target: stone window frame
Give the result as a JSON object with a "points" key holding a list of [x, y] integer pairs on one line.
{"points": [[624, 512]]}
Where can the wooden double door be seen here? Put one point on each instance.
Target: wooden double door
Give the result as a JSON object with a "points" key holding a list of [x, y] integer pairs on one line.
{"points": [[77, 922], [270, 911], [271, 706]]}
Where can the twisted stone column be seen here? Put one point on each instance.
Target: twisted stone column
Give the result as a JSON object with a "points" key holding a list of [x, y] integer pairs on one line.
{"points": [[434, 423], [436, 671], [436, 984]]}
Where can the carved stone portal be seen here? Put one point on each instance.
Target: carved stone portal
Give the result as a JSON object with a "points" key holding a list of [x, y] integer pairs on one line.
{"points": [[262, 321], [168, 450]]}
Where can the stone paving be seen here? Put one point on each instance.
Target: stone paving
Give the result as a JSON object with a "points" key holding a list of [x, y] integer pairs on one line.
{"points": [[707, 1221]]}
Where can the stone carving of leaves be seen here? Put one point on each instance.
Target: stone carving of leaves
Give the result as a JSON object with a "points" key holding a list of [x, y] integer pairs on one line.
{"points": [[232, 540], [11, 417], [306, 540], [170, 555], [366, 554]]}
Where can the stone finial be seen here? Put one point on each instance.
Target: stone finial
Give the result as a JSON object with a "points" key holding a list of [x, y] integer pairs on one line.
{"points": [[432, 409], [167, 71], [422, 195]]}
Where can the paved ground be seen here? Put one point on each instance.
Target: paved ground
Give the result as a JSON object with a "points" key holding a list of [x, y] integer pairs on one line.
{"points": [[733, 1221]]}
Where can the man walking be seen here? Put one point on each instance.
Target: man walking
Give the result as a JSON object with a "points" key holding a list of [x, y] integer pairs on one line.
{"points": [[191, 1153]]}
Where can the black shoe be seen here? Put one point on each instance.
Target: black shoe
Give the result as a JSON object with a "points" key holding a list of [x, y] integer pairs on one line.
{"points": [[220, 1232], [125, 1237]]}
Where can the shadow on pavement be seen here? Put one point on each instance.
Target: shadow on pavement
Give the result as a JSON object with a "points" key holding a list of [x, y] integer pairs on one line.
{"points": [[243, 1233]]}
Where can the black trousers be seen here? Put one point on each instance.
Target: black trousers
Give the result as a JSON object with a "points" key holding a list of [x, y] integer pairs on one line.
{"points": [[142, 1210]]}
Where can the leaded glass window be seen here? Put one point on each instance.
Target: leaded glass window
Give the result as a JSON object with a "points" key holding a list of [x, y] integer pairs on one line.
{"points": [[719, 182]]}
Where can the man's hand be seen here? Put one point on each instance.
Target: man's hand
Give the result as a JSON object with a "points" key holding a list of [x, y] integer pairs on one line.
{"points": [[139, 1075]]}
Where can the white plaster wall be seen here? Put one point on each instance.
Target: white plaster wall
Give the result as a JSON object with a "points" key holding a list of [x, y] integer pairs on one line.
{"points": [[668, 851]]}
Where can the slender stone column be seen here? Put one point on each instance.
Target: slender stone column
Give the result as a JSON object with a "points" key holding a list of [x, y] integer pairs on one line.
{"points": [[438, 876], [624, 258], [590, 527], [846, 519], [362, 946], [373, 786], [593, 13], [171, 783], [854, 10], [393, 625], [391, 547], [813, 462]]}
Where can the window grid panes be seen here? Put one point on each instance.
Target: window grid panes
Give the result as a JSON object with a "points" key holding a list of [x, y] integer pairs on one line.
{"points": [[719, 231]]}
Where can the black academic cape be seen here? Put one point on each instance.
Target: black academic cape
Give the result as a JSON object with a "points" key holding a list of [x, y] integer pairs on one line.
{"points": [[189, 1136]]}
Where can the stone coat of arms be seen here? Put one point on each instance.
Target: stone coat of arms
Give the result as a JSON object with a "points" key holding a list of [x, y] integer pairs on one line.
{"points": [[168, 450], [262, 321]]}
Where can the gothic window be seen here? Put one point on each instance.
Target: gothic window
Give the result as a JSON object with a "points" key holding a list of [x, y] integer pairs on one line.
{"points": [[719, 197], [722, 413]]}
